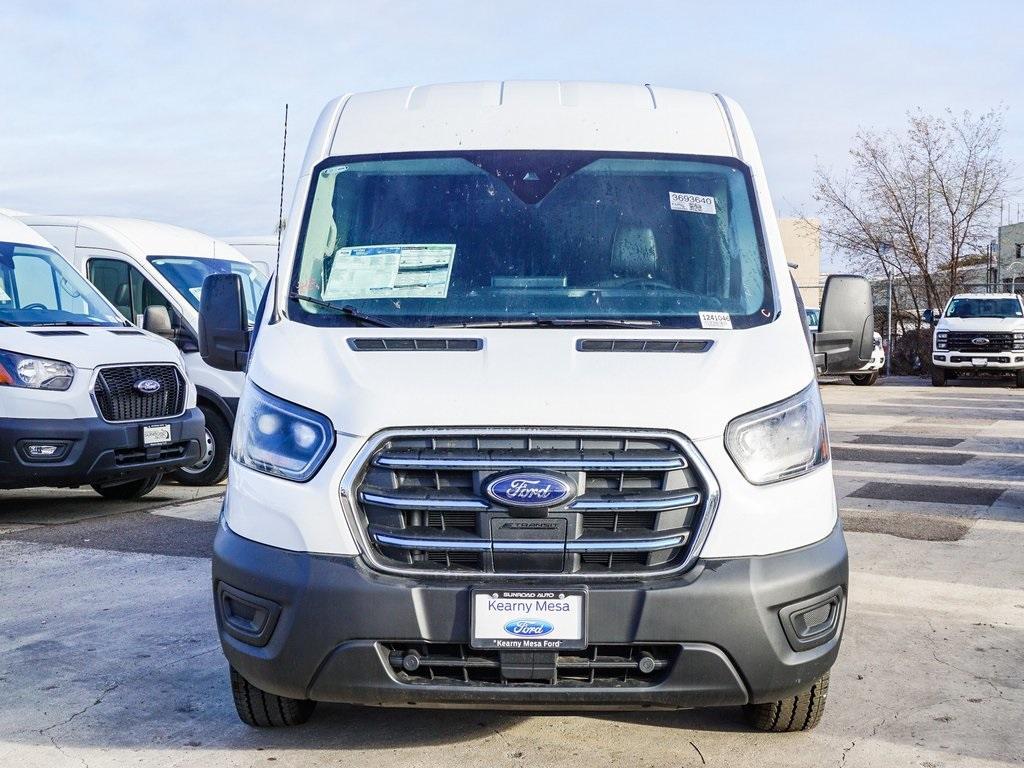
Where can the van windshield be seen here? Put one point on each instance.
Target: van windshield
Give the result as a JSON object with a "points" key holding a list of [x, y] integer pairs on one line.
{"points": [[519, 237], [977, 307], [187, 273], [37, 287]]}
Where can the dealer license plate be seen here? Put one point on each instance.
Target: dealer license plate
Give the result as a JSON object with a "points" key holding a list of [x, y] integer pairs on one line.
{"points": [[156, 434], [529, 619]]}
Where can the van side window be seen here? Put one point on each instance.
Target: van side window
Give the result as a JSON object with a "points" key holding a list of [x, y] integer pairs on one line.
{"points": [[127, 289]]}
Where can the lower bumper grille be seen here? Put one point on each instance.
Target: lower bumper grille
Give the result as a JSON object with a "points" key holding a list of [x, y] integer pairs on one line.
{"points": [[640, 503], [597, 665], [129, 456]]}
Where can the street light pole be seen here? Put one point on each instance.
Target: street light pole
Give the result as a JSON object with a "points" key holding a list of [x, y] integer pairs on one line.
{"points": [[888, 329]]}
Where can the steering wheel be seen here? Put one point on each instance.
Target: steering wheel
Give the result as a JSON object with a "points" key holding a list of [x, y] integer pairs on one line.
{"points": [[36, 305]]}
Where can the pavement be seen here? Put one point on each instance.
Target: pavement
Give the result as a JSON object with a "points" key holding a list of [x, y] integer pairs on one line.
{"points": [[109, 656]]}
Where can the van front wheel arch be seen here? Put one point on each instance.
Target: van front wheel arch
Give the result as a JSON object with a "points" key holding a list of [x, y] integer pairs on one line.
{"points": [[212, 466]]}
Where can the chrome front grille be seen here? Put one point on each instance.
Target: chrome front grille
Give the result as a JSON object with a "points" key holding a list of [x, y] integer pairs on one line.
{"points": [[643, 503]]}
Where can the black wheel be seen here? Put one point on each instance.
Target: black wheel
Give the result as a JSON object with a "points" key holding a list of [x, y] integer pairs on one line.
{"points": [[864, 379], [938, 376], [212, 466], [1020, 379], [797, 713], [134, 489], [260, 709]]}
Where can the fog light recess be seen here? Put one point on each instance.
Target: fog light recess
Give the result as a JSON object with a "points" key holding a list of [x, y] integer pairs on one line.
{"points": [[813, 621]]}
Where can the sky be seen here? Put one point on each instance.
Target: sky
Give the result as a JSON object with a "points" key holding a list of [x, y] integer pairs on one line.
{"points": [[174, 111]]}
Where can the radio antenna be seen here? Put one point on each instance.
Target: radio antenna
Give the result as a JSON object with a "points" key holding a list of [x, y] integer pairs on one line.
{"points": [[280, 210]]}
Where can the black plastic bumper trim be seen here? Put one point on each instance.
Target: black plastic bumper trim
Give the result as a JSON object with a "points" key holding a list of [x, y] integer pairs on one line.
{"points": [[336, 615], [96, 451]]}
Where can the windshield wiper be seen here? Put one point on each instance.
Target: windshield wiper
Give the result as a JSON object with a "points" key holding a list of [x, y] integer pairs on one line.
{"points": [[558, 322], [346, 310], [9, 324]]}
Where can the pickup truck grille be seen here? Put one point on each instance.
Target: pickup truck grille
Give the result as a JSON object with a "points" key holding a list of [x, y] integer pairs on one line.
{"points": [[118, 399], [420, 502], [993, 342]]}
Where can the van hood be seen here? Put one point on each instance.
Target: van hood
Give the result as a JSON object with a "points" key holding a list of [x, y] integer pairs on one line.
{"points": [[970, 324], [532, 377], [86, 347]]}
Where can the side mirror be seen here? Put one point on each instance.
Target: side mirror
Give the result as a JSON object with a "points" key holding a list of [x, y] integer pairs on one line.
{"points": [[157, 320], [929, 317], [223, 323], [846, 327]]}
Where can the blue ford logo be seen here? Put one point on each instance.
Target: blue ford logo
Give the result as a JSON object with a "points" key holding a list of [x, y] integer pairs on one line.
{"points": [[530, 489], [147, 386], [528, 627]]}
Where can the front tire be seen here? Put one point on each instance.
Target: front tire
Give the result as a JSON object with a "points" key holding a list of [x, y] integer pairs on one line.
{"points": [[796, 713], [212, 466], [129, 491], [1019, 377], [260, 709], [864, 379], [938, 376]]}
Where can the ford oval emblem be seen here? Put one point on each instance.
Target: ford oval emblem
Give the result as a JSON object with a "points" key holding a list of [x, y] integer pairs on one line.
{"points": [[529, 627], [530, 489], [979, 340], [148, 386]]}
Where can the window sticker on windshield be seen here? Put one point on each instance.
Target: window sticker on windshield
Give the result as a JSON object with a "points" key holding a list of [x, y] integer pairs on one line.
{"points": [[421, 271], [684, 201], [715, 320]]}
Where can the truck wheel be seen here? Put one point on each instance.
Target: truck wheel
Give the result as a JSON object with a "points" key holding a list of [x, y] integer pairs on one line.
{"points": [[212, 466], [797, 713], [864, 379], [938, 376], [1020, 379], [260, 709], [135, 489]]}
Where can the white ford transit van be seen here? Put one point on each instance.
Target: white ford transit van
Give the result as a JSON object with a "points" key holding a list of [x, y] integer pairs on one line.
{"points": [[84, 399], [978, 333], [149, 267], [531, 417], [261, 250]]}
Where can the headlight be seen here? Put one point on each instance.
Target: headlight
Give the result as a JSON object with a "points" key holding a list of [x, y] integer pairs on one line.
{"points": [[781, 441], [34, 372], [1018, 340], [280, 438], [942, 339]]}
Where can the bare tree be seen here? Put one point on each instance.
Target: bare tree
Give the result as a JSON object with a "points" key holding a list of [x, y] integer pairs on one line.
{"points": [[918, 204]]}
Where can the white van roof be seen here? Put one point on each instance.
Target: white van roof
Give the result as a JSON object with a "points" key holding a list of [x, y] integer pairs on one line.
{"points": [[533, 115], [14, 231], [149, 238]]}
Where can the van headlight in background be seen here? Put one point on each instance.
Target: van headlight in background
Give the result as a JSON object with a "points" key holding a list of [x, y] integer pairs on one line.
{"points": [[280, 438], [34, 372], [781, 441]]}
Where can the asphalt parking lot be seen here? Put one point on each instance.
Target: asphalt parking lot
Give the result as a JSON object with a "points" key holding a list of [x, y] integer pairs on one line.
{"points": [[109, 656]]}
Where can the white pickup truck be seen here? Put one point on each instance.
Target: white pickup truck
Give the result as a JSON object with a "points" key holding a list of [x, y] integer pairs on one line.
{"points": [[979, 332]]}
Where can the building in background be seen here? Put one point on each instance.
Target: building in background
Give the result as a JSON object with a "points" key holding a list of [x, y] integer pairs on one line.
{"points": [[1010, 257], [801, 241]]}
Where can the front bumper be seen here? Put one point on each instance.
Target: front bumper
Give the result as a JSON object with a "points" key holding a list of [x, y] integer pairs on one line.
{"points": [[95, 451], [994, 361], [323, 627]]}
